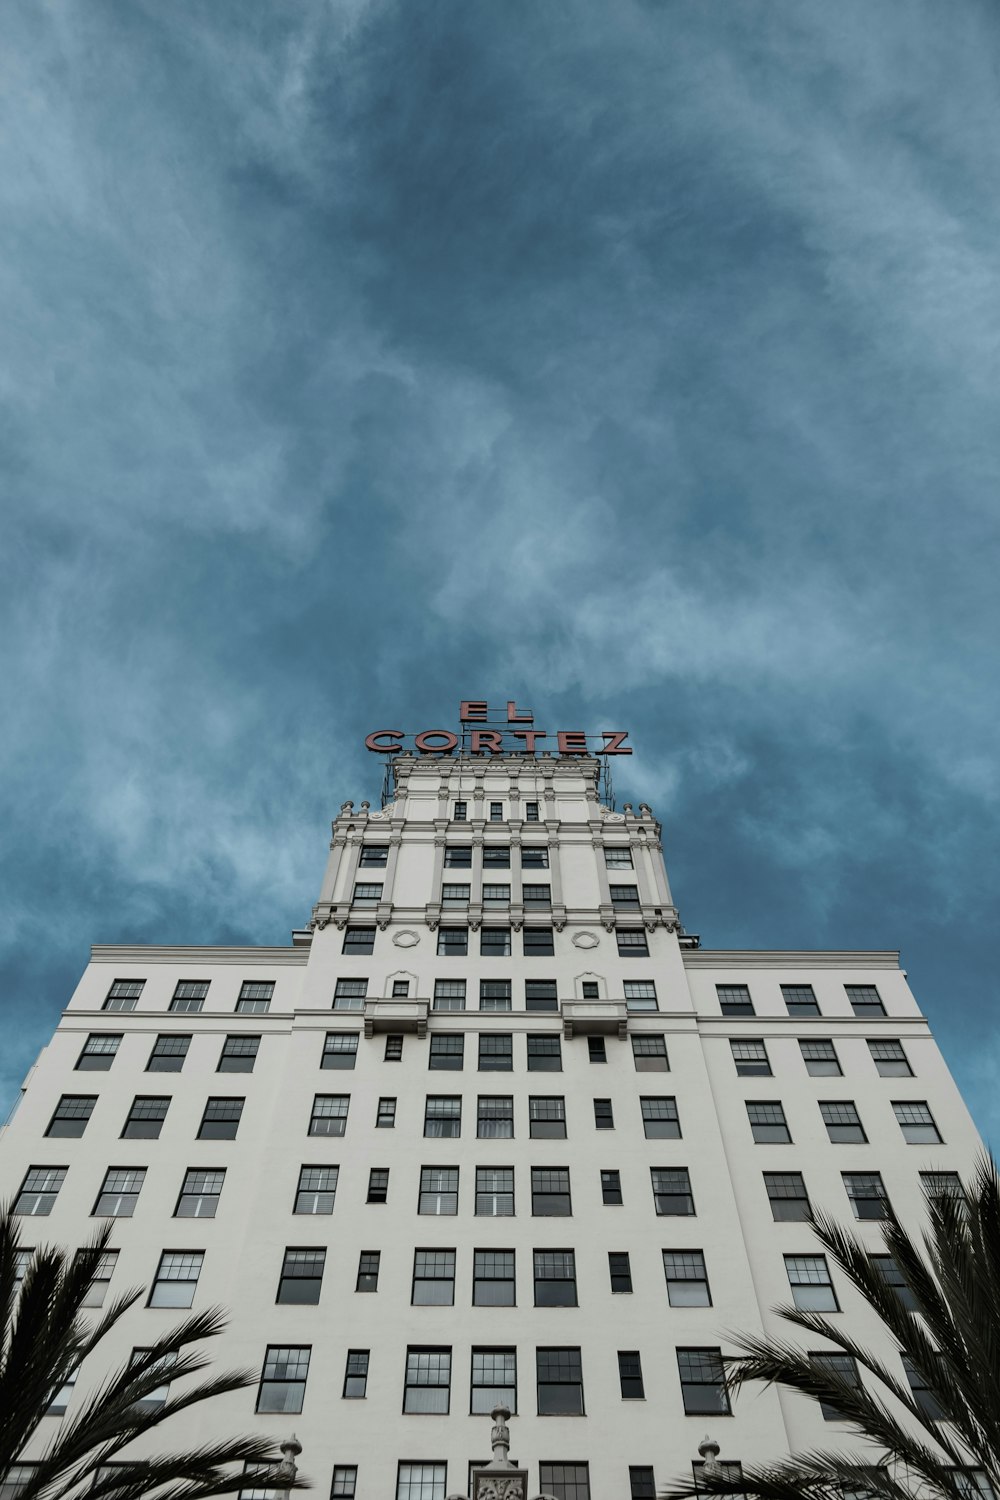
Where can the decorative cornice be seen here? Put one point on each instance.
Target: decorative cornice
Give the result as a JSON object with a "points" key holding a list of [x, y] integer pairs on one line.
{"points": [[155, 953], [791, 958]]}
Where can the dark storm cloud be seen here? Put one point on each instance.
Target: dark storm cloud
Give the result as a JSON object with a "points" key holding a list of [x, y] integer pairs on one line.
{"points": [[636, 359]]}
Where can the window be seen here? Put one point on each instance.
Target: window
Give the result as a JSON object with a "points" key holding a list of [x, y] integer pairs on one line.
{"points": [[453, 942], [433, 1278], [428, 1380], [591, 990], [283, 1379], [350, 994], [767, 1121], [378, 1185], [632, 942], [493, 1278], [687, 1278], [459, 812], [672, 1191], [394, 1047], [496, 1053], [340, 1049], [840, 1367], [438, 1190], [145, 1118], [538, 942], [494, 994], [544, 1054], [60, 1399], [356, 1376], [168, 1054], [239, 1053], [494, 1192], [640, 1482], [916, 1122], [494, 942], [422, 1481], [494, 1380], [893, 1277], [703, 1382], [750, 1058], [540, 994], [368, 1264], [200, 1193], [443, 1115], [659, 1119], [565, 1481], [496, 857], [617, 858], [640, 994], [550, 1195], [255, 997], [449, 994], [354, 1380], [890, 1059], [786, 1192], [15, 1479], [842, 1121], [101, 1280], [99, 1051], [359, 940], [940, 1185], [495, 1117], [39, 1190], [974, 1484], [22, 1260], [124, 994], [867, 1194], [809, 1279], [649, 1053], [536, 897], [400, 988], [799, 1000], [190, 994], [156, 1399], [447, 1051], [453, 896], [71, 1115], [221, 1119], [604, 1118], [865, 1000], [611, 1188], [620, 1270], [458, 857], [534, 858], [625, 897], [329, 1114], [367, 895], [374, 856], [560, 1382], [596, 1050], [547, 1117], [317, 1190], [734, 999], [496, 812], [119, 1192], [176, 1278], [630, 1375], [385, 1118], [531, 812], [820, 1058], [555, 1278], [732, 1470], [496, 895]]}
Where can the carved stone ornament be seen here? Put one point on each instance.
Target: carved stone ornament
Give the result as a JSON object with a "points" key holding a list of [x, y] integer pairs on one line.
{"points": [[407, 938], [585, 940]]}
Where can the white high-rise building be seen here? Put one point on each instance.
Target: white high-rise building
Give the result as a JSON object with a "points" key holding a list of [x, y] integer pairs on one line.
{"points": [[492, 1130]]}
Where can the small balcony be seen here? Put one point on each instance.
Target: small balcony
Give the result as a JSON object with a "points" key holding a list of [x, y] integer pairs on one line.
{"points": [[595, 1018], [396, 1013]]}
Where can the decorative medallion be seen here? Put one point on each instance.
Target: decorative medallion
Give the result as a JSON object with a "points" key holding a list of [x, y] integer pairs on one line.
{"points": [[406, 939], [585, 939]]}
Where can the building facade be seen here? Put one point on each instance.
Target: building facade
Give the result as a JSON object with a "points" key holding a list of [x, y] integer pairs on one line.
{"points": [[493, 1129]]}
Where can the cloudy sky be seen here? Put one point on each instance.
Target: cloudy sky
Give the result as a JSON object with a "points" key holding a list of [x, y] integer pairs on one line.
{"points": [[636, 360]]}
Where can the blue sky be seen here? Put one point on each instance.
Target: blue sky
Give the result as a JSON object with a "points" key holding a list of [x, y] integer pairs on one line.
{"points": [[636, 360]]}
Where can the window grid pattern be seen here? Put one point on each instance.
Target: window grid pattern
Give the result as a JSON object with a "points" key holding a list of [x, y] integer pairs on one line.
{"points": [[550, 1192], [560, 1381], [786, 1192], [433, 1278], [703, 1385], [443, 1115], [494, 1192], [283, 1379], [119, 1192], [867, 1195], [800, 1000], [544, 1054], [494, 1380], [811, 1283], [865, 1000], [39, 1190], [672, 1191], [750, 1058], [687, 1278], [660, 1120], [317, 1190], [495, 1117], [916, 1122], [649, 1053], [99, 1050], [734, 999], [493, 1283], [124, 994], [329, 1114], [620, 1271], [842, 1121], [890, 1058], [428, 1380], [200, 1193], [555, 1278], [496, 1052], [438, 1190], [820, 1058], [190, 995], [565, 1481], [767, 1121]]}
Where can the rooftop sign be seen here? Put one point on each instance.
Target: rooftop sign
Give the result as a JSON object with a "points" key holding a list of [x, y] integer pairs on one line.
{"points": [[482, 734]]}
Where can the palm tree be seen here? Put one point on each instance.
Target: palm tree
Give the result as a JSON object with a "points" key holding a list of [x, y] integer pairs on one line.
{"points": [[44, 1339], [940, 1304]]}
